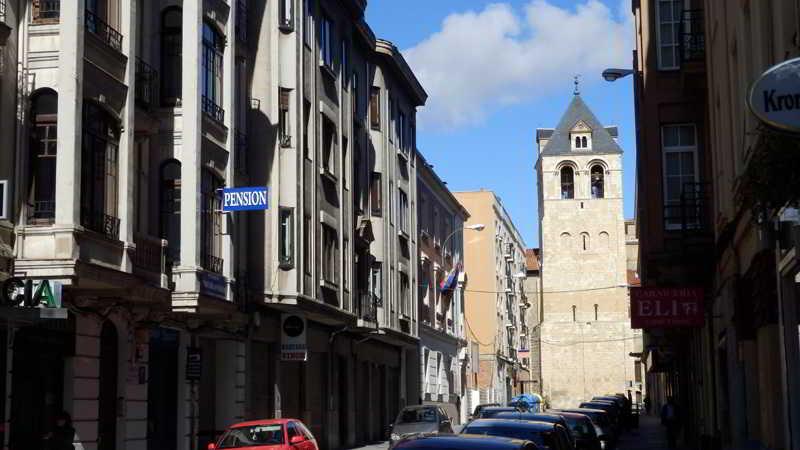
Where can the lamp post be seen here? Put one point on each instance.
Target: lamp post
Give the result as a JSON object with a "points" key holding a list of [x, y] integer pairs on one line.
{"points": [[612, 75], [475, 227]]}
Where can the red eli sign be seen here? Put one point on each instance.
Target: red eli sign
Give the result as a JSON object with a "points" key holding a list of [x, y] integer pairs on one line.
{"points": [[666, 307]]}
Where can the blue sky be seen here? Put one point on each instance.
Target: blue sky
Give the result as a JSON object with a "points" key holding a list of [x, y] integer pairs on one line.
{"points": [[478, 129]]}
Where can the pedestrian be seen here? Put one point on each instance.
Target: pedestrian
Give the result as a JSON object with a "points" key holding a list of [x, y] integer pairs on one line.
{"points": [[647, 404], [671, 419], [62, 435]]}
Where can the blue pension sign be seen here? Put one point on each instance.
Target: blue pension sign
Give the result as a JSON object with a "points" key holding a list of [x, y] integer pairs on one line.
{"points": [[245, 199]]}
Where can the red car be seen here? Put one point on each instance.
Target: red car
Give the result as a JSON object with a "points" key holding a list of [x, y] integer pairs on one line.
{"points": [[272, 434]]}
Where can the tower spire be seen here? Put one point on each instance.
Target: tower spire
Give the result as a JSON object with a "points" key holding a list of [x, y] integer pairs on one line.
{"points": [[577, 85]]}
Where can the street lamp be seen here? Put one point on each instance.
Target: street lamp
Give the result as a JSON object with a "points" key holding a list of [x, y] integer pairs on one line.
{"points": [[612, 75]]}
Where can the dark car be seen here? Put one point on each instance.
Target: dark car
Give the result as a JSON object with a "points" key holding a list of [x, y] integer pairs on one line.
{"points": [[583, 431], [611, 408], [464, 442], [550, 436], [477, 412], [538, 417], [602, 425], [624, 404], [419, 419], [491, 411]]}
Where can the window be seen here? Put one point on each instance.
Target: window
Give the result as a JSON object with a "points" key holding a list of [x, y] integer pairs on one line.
{"points": [[330, 248], [99, 171], [567, 183], [597, 180], [210, 222], [680, 168], [401, 132], [577, 142], [376, 194], [392, 121], [584, 143], [211, 89], [375, 108], [43, 146], [566, 241], [376, 283], [345, 179], [308, 24], [328, 146], [46, 11], [307, 251], [4, 213], [170, 206], [358, 192], [171, 56], [284, 126], [596, 311], [306, 120], [585, 241], [403, 211], [603, 241], [345, 63], [286, 233], [574, 313], [287, 15], [346, 268], [668, 17], [405, 297], [326, 42], [354, 99]]}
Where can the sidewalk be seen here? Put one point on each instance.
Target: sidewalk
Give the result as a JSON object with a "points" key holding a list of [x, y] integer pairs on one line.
{"points": [[649, 436]]}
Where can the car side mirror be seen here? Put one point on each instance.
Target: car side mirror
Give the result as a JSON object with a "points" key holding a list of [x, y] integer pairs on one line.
{"points": [[212, 446], [296, 440]]}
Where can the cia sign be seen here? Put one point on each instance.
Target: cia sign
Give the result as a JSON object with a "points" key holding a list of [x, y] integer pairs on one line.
{"points": [[775, 96]]}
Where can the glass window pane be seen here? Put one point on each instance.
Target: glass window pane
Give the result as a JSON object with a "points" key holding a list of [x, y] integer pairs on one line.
{"points": [[677, 10], [673, 189], [687, 135], [665, 11], [673, 164], [667, 34], [668, 56], [670, 136], [687, 164]]}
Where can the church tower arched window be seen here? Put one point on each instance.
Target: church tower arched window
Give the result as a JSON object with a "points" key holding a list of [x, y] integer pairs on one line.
{"points": [[598, 181], [567, 183]]}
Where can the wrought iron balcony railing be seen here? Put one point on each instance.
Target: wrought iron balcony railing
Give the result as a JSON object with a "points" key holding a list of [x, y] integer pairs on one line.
{"points": [[693, 38], [46, 11], [690, 213], [102, 30], [212, 109], [101, 222], [368, 307], [211, 263], [43, 212], [150, 254], [146, 82]]}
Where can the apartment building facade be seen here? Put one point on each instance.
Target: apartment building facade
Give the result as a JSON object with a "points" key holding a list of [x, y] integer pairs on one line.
{"points": [[133, 117], [585, 333], [495, 299], [737, 374], [531, 341], [442, 280]]}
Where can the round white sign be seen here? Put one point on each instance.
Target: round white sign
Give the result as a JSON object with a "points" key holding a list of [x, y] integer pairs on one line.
{"points": [[775, 96]]}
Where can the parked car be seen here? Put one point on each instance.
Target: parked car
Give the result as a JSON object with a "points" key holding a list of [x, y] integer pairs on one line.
{"points": [[463, 442], [550, 436], [419, 419], [477, 412], [613, 412], [538, 417], [626, 408], [583, 431], [272, 434], [491, 411], [602, 425]]}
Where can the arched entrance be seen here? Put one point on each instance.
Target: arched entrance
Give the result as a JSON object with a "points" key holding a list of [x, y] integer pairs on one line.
{"points": [[107, 411]]}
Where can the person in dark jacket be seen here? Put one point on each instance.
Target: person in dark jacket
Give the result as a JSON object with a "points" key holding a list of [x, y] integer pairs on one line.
{"points": [[671, 419], [63, 434]]}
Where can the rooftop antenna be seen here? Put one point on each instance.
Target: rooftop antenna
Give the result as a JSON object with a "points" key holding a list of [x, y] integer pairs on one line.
{"points": [[577, 85]]}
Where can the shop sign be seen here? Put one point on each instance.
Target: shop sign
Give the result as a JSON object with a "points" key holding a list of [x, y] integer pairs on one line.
{"points": [[212, 284], [245, 199], [194, 363], [293, 338], [666, 307], [45, 295], [775, 96]]}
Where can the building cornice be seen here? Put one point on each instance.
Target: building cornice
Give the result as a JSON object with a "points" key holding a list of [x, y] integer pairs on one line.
{"points": [[395, 58]]}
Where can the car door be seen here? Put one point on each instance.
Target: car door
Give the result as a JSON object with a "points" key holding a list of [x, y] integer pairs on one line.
{"points": [[293, 430]]}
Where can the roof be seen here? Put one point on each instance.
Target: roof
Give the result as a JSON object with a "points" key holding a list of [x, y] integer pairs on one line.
{"points": [[560, 143], [461, 441], [263, 422], [530, 424], [532, 259]]}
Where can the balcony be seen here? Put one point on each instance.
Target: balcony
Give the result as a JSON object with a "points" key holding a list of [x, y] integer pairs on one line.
{"points": [[213, 110], [46, 11], [693, 39], [240, 145], [150, 259], [146, 82], [211, 263], [42, 212], [102, 223], [367, 308], [103, 31]]}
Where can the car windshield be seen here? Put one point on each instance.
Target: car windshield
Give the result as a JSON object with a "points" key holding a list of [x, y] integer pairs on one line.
{"points": [[581, 428], [510, 432], [252, 436], [417, 415]]}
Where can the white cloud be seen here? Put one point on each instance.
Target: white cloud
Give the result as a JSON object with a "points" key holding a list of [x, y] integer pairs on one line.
{"points": [[479, 61]]}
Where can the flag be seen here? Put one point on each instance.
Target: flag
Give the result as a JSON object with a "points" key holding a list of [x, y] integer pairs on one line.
{"points": [[449, 282]]}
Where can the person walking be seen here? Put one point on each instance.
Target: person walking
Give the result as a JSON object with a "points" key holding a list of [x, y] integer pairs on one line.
{"points": [[670, 418], [647, 404], [63, 434]]}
